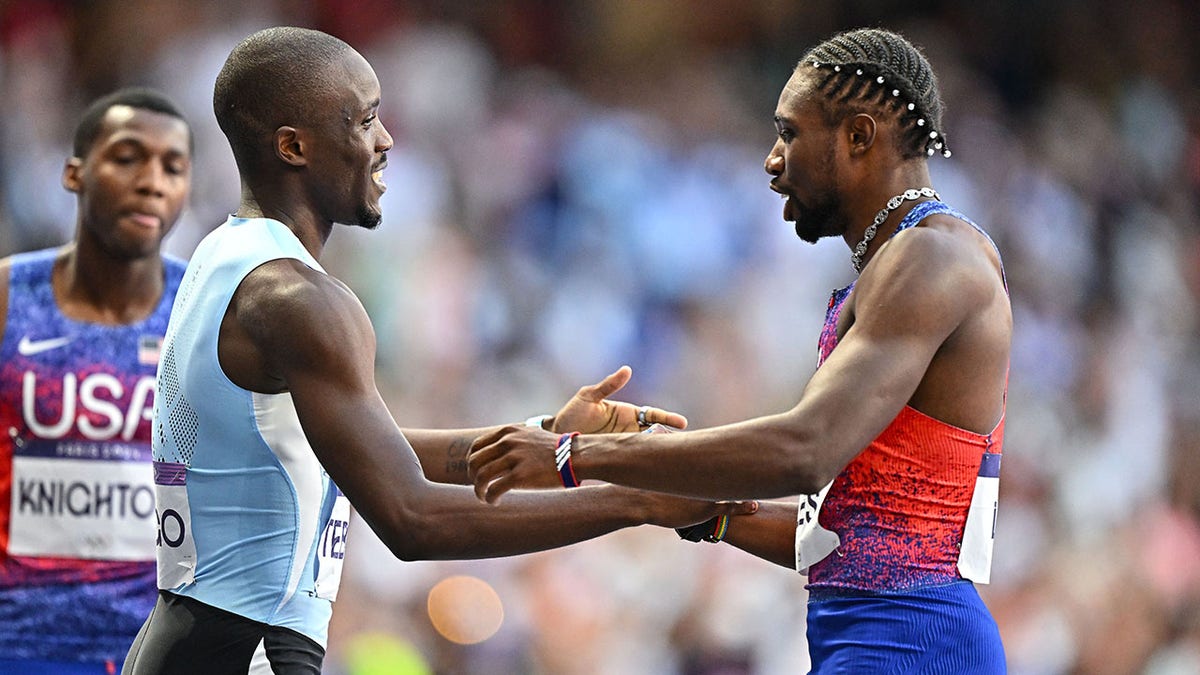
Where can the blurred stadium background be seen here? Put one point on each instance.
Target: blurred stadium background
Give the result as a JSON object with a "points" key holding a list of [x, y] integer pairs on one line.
{"points": [[576, 185]]}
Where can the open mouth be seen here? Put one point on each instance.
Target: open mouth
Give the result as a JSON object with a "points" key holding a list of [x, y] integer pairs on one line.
{"points": [[789, 212], [377, 174]]}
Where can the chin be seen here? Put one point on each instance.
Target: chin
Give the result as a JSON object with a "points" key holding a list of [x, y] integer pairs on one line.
{"points": [[808, 234], [369, 219]]}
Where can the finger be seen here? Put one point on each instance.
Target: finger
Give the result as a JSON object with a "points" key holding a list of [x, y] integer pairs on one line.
{"points": [[483, 469], [488, 438], [496, 489], [480, 490], [479, 457], [608, 386], [737, 508], [666, 417]]}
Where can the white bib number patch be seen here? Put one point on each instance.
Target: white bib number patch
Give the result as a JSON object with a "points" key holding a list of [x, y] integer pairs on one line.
{"points": [[92, 509], [176, 547], [979, 535], [332, 551], [813, 542]]}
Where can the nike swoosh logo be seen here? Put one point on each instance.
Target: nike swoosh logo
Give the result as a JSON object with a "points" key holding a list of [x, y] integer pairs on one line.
{"points": [[27, 347]]}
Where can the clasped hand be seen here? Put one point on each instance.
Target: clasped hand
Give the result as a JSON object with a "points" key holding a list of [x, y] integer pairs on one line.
{"points": [[517, 456]]}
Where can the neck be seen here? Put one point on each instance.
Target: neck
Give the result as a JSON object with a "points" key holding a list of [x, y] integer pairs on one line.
{"points": [[292, 212], [884, 209], [90, 285]]}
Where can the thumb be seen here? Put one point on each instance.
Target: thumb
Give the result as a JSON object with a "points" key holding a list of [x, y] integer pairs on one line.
{"points": [[608, 386]]}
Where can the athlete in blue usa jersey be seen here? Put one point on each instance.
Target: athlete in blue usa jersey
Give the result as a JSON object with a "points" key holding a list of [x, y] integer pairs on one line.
{"points": [[82, 329]]}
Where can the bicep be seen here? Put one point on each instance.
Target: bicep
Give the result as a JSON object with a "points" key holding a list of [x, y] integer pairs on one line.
{"points": [[318, 338], [903, 313]]}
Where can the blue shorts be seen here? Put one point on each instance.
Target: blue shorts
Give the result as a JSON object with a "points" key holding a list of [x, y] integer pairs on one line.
{"points": [[939, 629]]}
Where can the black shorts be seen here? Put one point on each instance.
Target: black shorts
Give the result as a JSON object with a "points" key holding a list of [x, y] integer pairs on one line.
{"points": [[183, 636]]}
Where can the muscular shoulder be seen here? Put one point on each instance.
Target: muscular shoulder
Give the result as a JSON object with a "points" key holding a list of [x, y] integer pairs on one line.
{"points": [[295, 312], [937, 275], [944, 256]]}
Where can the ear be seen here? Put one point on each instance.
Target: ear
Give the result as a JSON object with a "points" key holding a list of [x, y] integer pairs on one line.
{"points": [[289, 146], [71, 178], [861, 129]]}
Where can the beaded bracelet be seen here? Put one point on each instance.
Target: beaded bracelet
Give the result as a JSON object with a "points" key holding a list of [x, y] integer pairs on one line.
{"points": [[562, 460]]}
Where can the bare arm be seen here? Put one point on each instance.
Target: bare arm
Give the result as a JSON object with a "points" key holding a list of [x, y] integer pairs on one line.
{"points": [[907, 305], [443, 452], [313, 335], [769, 533]]}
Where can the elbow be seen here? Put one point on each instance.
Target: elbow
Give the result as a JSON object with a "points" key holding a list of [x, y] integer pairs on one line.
{"points": [[803, 467], [805, 477], [404, 548], [401, 531], [809, 481]]}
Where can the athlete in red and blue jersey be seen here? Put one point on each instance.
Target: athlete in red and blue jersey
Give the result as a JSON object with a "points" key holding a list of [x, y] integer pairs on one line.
{"points": [[895, 441], [82, 328]]}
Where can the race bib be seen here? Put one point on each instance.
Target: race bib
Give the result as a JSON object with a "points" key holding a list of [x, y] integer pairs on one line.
{"points": [[332, 551], [176, 547], [86, 500], [979, 535], [813, 542]]}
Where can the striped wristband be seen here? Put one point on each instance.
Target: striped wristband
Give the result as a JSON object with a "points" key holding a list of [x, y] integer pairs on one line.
{"points": [[562, 460], [719, 530], [712, 530]]}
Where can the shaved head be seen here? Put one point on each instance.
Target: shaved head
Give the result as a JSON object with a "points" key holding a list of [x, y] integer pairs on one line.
{"points": [[275, 77]]}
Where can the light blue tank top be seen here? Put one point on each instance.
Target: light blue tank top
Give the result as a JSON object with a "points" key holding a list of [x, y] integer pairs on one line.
{"points": [[248, 519]]}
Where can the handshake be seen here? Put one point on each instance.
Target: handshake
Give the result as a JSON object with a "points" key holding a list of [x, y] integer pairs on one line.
{"points": [[527, 457]]}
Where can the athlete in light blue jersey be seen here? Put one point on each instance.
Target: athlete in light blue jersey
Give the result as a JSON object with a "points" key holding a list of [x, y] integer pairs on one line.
{"points": [[82, 327], [268, 397]]}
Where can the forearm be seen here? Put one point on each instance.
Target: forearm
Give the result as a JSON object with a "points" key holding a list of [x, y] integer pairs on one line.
{"points": [[767, 457], [769, 533], [443, 452], [449, 523]]}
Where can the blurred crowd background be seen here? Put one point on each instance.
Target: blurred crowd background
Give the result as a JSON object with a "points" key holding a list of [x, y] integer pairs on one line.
{"points": [[578, 184]]}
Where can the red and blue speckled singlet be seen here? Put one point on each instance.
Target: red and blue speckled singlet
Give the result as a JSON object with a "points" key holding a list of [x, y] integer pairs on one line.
{"points": [[77, 522], [901, 505]]}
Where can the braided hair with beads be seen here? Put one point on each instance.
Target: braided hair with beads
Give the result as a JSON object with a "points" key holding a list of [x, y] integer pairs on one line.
{"points": [[873, 69]]}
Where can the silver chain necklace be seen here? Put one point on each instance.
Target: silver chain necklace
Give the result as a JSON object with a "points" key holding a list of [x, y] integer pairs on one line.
{"points": [[894, 203]]}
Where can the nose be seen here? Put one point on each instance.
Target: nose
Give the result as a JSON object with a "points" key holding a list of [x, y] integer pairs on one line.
{"points": [[151, 179], [774, 162], [384, 142]]}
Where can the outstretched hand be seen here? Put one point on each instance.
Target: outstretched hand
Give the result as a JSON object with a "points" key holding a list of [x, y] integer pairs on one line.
{"points": [[590, 412], [677, 512]]}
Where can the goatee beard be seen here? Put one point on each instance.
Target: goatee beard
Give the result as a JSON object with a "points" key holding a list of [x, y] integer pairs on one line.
{"points": [[805, 234]]}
